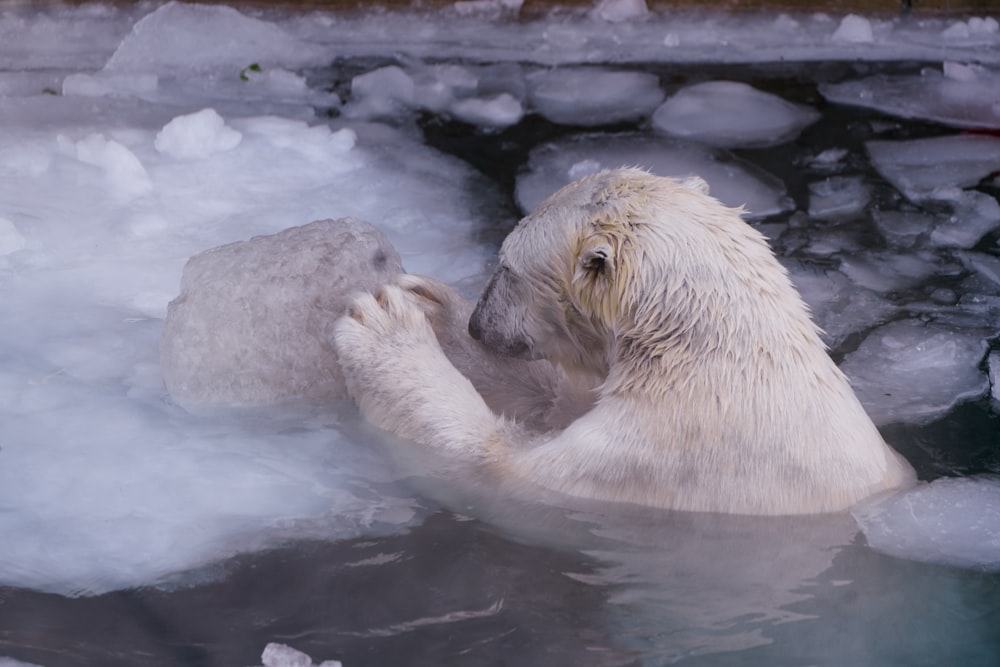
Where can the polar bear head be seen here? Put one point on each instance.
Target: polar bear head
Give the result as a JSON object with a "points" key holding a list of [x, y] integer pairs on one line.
{"points": [[624, 263]]}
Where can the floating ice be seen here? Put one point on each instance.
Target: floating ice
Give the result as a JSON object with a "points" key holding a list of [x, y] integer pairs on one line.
{"points": [[197, 136], [593, 96], [839, 306], [904, 229], [731, 115], [918, 167], [733, 182], [499, 111], [954, 521], [974, 214], [838, 197], [884, 272], [616, 11], [124, 171], [854, 29], [282, 655], [973, 28], [958, 95], [908, 371], [253, 321], [994, 369], [215, 37], [382, 92], [10, 662]]}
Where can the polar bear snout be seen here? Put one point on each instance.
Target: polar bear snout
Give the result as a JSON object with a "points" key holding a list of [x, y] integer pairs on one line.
{"points": [[494, 322]]}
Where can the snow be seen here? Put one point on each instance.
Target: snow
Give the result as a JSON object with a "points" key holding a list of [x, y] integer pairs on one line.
{"points": [[735, 183], [593, 96], [134, 137], [731, 115], [952, 521], [909, 371], [854, 29]]}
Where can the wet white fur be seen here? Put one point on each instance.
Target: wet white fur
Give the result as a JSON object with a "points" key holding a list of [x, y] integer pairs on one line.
{"points": [[711, 388]]}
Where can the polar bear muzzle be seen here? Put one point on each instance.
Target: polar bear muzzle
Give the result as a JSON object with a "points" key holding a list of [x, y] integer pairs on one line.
{"points": [[495, 323]]}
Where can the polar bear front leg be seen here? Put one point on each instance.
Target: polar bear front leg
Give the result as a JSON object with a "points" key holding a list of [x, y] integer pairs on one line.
{"points": [[402, 381]]}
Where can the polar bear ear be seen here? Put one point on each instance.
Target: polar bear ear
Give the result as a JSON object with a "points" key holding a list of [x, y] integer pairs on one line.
{"points": [[597, 258], [694, 183]]}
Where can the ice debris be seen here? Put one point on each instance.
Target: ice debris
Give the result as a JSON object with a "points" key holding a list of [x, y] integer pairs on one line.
{"points": [[282, 655], [589, 96]]}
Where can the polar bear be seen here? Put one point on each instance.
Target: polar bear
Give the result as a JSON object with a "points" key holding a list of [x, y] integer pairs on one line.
{"points": [[675, 364]]}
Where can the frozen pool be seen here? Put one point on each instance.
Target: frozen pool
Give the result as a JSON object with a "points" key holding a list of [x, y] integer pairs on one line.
{"points": [[137, 532]]}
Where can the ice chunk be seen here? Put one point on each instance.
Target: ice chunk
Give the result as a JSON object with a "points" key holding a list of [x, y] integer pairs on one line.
{"points": [[974, 214], [954, 521], [994, 369], [733, 182], [499, 111], [10, 239], [197, 136], [903, 229], [382, 92], [909, 371], [838, 306], [281, 655], [838, 197], [974, 27], [732, 115], [958, 95], [918, 167], [854, 29], [253, 320], [215, 37], [10, 662], [591, 96], [889, 272], [616, 11]]}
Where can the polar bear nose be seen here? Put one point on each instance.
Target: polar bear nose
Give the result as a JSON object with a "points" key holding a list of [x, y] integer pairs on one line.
{"points": [[475, 330]]}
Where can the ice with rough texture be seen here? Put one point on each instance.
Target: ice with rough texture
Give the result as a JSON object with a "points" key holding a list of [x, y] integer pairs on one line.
{"points": [[734, 183], [955, 521], [974, 214], [854, 29], [994, 369], [282, 655], [253, 320], [958, 95], [919, 167], [498, 111], [838, 197], [730, 114], [909, 371], [197, 136], [590, 96]]}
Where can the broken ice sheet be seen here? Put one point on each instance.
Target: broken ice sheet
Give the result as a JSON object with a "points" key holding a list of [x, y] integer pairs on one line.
{"points": [[958, 95], [919, 167], [912, 372], [590, 96], [838, 197]]}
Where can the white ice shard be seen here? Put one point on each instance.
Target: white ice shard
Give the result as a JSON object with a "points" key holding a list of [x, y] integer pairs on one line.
{"points": [[590, 96], [918, 167]]}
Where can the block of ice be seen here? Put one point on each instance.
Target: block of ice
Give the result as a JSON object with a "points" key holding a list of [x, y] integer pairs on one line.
{"points": [[590, 96], [499, 111], [197, 136], [253, 319], [838, 197], [903, 229], [974, 214], [732, 115], [953, 521], [912, 372], [616, 11], [854, 29], [884, 272], [282, 655], [122, 167], [994, 370], [382, 92], [733, 182], [183, 37], [957, 95], [918, 167]]}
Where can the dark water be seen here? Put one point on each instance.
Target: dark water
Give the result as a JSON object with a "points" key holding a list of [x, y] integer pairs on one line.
{"points": [[526, 586]]}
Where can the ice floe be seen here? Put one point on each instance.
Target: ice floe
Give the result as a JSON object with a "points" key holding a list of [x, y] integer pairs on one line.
{"points": [[593, 96]]}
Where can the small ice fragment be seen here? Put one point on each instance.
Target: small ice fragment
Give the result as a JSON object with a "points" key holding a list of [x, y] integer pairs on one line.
{"points": [[912, 372], [124, 170], [889, 272], [616, 11], [903, 229], [671, 40], [382, 92], [974, 214], [196, 136], [854, 29], [829, 157], [500, 111], [994, 370], [731, 115], [592, 96], [838, 197], [918, 167]]}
